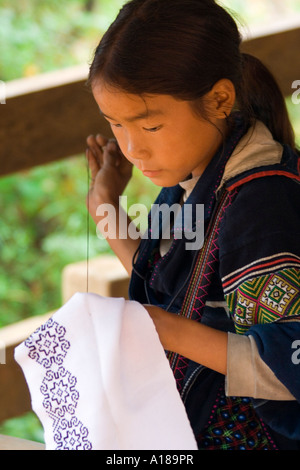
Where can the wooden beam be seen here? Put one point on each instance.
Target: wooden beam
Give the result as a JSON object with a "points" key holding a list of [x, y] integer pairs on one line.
{"points": [[42, 121], [280, 52]]}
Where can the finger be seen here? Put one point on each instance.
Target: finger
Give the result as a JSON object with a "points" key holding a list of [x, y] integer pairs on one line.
{"points": [[111, 154], [92, 162], [91, 140], [101, 140], [95, 148]]}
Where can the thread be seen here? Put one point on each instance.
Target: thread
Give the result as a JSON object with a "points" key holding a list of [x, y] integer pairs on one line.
{"points": [[87, 228]]}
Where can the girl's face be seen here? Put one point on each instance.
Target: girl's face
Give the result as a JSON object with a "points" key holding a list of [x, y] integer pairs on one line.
{"points": [[160, 135]]}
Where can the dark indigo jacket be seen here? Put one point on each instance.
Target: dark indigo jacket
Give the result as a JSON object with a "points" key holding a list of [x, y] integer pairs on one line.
{"points": [[264, 217]]}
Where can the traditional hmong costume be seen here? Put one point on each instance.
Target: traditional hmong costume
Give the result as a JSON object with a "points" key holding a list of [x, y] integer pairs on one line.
{"points": [[244, 280]]}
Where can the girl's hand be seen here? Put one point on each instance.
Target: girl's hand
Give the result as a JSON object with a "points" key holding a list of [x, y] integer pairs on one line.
{"points": [[191, 339], [110, 171]]}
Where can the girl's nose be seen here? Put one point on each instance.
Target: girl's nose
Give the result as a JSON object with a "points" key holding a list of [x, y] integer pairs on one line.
{"points": [[136, 150]]}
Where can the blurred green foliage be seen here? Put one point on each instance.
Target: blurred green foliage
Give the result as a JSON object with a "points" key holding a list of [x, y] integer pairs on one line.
{"points": [[45, 226], [25, 427], [41, 35]]}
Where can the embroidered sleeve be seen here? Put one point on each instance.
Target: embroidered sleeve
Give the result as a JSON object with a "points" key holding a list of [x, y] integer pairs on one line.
{"points": [[262, 299], [259, 267], [258, 300], [259, 253]]}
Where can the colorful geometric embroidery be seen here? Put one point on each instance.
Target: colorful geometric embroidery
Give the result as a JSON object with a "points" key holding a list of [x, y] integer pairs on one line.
{"points": [[48, 347], [233, 425], [265, 299]]}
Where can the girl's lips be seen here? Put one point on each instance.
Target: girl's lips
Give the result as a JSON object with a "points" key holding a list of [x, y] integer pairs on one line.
{"points": [[150, 173]]}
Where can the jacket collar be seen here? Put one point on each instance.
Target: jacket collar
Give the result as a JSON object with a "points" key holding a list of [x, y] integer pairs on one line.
{"points": [[256, 149]]}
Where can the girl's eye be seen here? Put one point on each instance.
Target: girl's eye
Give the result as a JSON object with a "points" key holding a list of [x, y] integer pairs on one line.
{"points": [[152, 129]]}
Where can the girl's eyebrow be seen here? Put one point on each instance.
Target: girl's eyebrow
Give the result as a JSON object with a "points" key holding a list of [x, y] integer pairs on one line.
{"points": [[143, 115]]}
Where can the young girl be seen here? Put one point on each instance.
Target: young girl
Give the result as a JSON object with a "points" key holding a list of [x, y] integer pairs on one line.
{"points": [[209, 125]]}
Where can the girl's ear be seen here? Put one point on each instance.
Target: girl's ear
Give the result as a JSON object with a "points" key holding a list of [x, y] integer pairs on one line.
{"points": [[221, 99]]}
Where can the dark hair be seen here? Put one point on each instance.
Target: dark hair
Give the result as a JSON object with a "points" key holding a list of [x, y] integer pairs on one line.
{"points": [[182, 48]]}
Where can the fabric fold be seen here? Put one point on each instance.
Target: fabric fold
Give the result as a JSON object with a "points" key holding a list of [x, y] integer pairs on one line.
{"points": [[99, 379]]}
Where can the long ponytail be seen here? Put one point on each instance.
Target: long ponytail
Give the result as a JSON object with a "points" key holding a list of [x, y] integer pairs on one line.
{"points": [[260, 98]]}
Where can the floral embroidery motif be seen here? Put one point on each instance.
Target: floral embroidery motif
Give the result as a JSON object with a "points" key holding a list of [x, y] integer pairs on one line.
{"points": [[49, 347], [47, 344], [72, 435]]}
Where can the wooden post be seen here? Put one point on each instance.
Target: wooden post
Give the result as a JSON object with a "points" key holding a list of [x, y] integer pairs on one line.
{"points": [[14, 393], [14, 443], [106, 277]]}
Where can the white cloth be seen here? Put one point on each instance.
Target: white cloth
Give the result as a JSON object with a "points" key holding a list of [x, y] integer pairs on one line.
{"points": [[99, 379]]}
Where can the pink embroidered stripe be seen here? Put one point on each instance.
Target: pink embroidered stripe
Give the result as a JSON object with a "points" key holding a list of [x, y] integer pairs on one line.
{"points": [[264, 265]]}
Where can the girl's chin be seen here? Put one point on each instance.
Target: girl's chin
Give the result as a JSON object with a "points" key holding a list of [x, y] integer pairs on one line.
{"points": [[163, 178]]}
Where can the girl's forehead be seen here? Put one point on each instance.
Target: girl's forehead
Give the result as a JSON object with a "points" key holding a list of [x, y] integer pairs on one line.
{"points": [[115, 95], [114, 102]]}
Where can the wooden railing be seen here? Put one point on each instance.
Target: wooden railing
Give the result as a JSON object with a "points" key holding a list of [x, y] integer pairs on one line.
{"points": [[47, 118]]}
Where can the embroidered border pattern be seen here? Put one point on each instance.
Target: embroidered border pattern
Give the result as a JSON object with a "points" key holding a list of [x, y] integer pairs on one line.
{"points": [[261, 267], [200, 280], [49, 347]]}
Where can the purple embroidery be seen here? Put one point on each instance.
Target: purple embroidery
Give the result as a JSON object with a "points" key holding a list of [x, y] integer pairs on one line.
{"points": [[47, 344], [72, 435], [60, 394], [48, 347]]}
